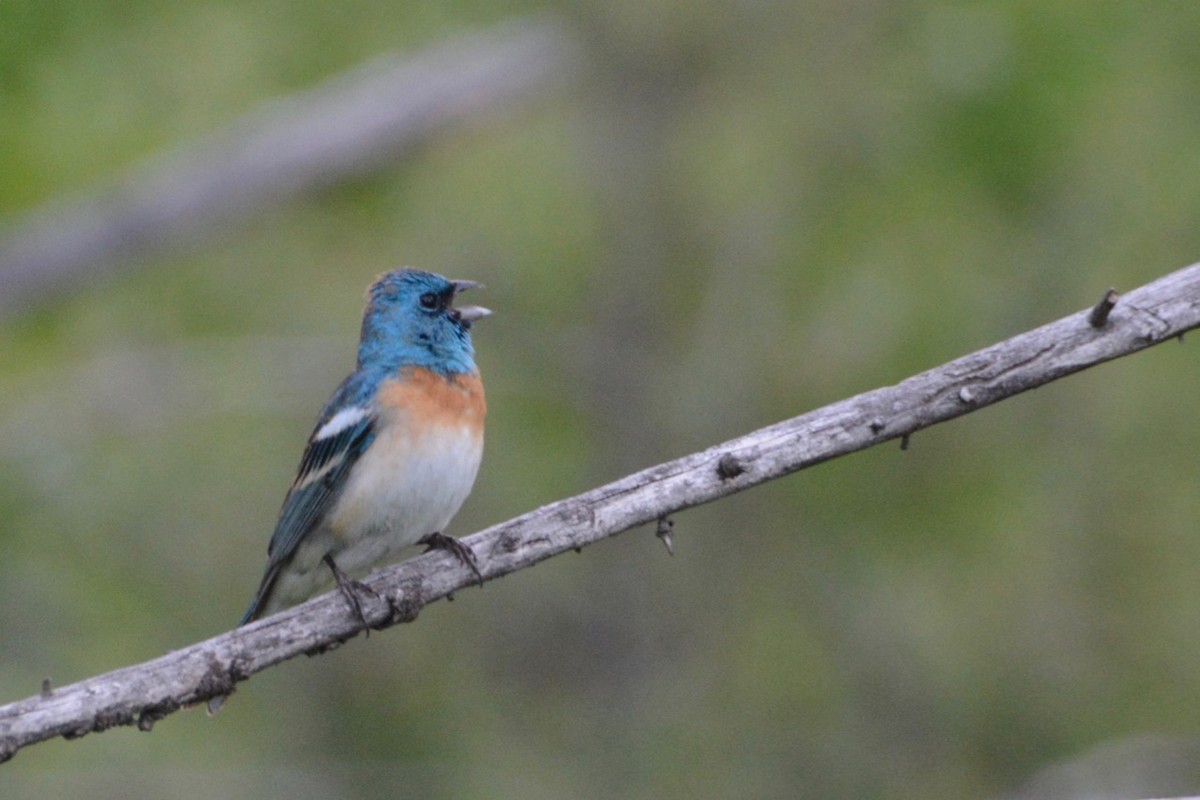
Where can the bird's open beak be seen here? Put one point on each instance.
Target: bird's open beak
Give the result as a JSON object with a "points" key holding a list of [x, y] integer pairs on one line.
{"points": [[469, 313]]}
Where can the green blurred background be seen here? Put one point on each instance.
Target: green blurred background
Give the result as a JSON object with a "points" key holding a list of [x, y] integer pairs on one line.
{"points": [[734, 213]]}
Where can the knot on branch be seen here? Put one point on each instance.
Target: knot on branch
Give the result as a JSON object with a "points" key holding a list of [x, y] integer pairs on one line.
{"points": [[152, 714], [215, 685], [509, 542], [405, 604], [729, 467]]}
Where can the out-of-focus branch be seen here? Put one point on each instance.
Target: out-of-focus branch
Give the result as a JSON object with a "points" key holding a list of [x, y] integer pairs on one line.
{"points": [[344, 128], [144, 693]]}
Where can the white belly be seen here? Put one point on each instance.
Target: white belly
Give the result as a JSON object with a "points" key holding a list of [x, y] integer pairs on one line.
{"points": [[399, 491]]}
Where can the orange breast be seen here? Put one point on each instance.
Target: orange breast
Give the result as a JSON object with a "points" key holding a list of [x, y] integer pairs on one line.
{"points": [[432, 400]]}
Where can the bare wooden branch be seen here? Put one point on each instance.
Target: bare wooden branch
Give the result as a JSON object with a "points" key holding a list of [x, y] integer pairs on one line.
{"points": [[342, 129], [141, 694]]}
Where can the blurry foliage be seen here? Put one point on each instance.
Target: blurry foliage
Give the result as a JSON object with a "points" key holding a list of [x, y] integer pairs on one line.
{"points": [[744, 211]]}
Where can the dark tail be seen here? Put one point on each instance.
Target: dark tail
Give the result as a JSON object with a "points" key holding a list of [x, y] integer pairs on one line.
{"points": [[260, 597]]}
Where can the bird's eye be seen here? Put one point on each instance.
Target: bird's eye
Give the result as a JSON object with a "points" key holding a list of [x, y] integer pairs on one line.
{"points": [[429, 300]]}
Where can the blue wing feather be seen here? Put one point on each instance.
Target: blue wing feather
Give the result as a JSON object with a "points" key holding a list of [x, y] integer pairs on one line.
{"points": [[322, 474], [309, 498]]}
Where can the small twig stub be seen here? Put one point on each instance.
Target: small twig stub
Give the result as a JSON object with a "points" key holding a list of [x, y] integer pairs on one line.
{"points": [[1099, 316], [663, 531]]}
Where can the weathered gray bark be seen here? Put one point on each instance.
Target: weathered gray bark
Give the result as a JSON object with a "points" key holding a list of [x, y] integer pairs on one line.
{"points": [[141, 694]]}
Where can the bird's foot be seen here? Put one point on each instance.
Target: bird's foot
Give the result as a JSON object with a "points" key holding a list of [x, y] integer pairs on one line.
{"points": [[465, 555], [352, 590]]}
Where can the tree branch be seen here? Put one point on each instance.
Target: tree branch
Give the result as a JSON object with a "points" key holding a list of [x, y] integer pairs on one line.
{"points": [[142, 694], [344, 128]]}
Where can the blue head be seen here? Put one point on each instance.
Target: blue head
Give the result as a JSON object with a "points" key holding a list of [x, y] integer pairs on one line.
{"points": [[411, 321]]}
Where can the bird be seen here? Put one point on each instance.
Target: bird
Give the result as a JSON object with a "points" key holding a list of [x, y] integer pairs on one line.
{"points": [[395, 451]]}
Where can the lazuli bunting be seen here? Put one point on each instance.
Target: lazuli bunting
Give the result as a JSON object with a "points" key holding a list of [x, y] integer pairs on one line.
{"points": [[395, 452]]}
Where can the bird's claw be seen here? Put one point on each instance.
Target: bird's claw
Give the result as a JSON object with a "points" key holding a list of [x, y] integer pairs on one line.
{"points": [[352, 590], [465, 555]]}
